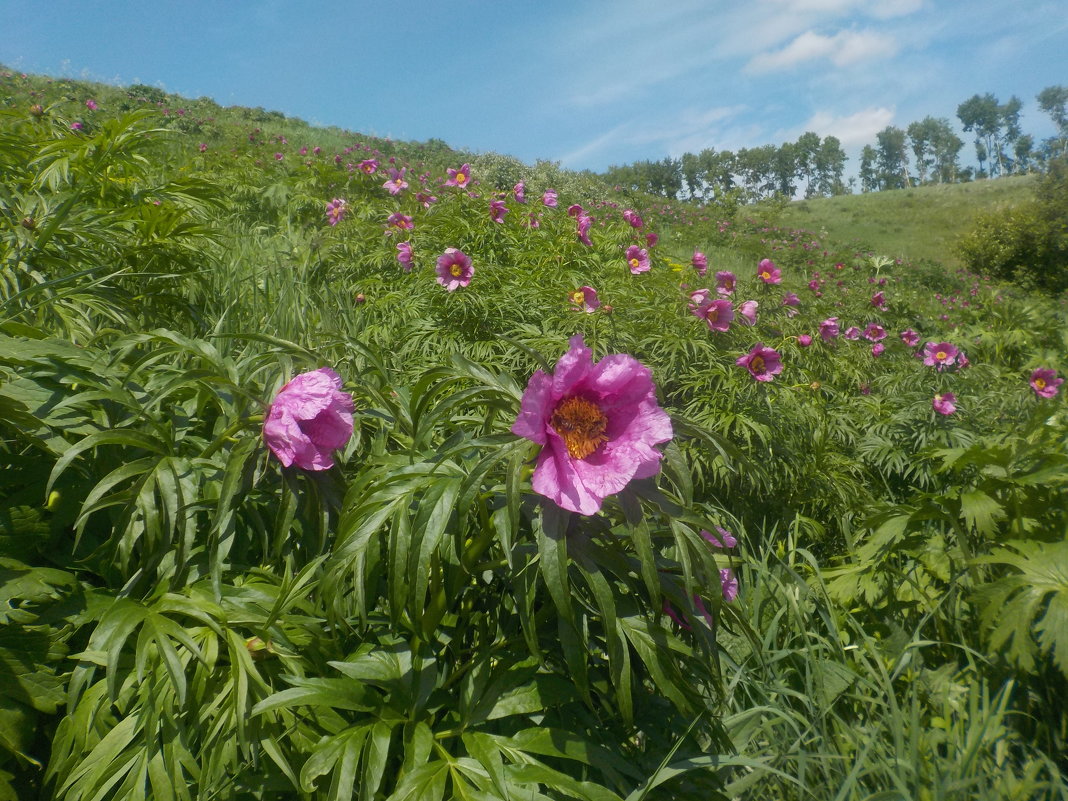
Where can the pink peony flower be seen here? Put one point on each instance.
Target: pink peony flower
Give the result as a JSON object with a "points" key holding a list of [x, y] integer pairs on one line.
{"points": [[519, 192], [878, 300], [548, 199], [368, 166], [725, 281], [768, 272], [877, 349], [700, 263], [583, 228], [400, 221], [910, 337], [651, 239], [747, 310], [874, 332], [939, 354], [597, 425], [454, 269], [729, 583], [1044, 382], [91, 104], [336, 210], [944, 403], [638, 259], [497, 211], [405, 255], [852, 333], [633, 218], [584, 299], [574, 210], [460, 177], [722, 539], [203, 147], [717, 313], [308, 419], [804, 340], [396, 183], [762, 363]]}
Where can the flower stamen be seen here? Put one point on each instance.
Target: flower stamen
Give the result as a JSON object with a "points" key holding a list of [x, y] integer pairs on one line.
{"points": [[582, 425]]}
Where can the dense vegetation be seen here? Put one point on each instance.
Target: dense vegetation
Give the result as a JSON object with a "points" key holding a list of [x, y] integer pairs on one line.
{"points": [[846, 577]]}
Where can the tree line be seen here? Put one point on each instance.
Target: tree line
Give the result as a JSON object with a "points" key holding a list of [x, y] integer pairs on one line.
{"points": [[927, 151]]}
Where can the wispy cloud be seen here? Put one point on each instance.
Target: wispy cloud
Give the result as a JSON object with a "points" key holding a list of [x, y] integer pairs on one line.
{"points": [[843, 49], [853, 130]]}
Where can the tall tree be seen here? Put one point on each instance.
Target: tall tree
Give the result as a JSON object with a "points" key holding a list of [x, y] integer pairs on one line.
{"points": [[830, 164], [893, 158], [806, 153], [981, 116], [1054, 101], [945, 149], [869, 178]]}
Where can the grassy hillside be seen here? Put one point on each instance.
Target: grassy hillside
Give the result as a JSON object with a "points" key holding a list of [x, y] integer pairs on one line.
{"points": [[317, 487], [919, 223]]}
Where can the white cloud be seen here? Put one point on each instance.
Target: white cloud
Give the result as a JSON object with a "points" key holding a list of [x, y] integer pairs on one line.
{"points": [[853, 130], [843, 49]]}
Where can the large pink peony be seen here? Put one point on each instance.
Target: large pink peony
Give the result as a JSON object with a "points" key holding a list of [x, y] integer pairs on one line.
{"points": [[597, 424], [309, 418]]}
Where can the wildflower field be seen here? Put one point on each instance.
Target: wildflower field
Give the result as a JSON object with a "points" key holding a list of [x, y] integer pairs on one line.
{"points": [[333, 467]]}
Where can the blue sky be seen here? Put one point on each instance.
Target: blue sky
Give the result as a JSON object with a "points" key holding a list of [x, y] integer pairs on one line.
{"points": [[587, 84]]}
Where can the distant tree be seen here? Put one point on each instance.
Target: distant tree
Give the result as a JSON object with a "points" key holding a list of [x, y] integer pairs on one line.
{"points": [[869, 178], [830, 165], [893, 158], [1009, 132], [980, 116], [784, 169], [945, 149], [1023, 153], [921, 135], [718, 171], [806, 156], [1054, 101], [692, 175]]}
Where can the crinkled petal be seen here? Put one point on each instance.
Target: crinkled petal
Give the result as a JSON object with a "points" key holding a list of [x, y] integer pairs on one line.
{"points": [[555, 478], [535, 408], [282, 433], [572, 367]]}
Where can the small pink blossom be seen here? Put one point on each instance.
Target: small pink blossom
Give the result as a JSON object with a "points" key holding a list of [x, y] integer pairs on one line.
{"points": [[396, 183], [939, 354], [497, 211], [852, 333], [405, 255], [722, 539], [633, 218], [519, 192], [548, 199], [638, 259], [944, 403], [584, 299], [700, 263], [1044, 382], [717, 313], [91, 104], [454, 269], [308, 419], [747, 310], [910, 337], [400, 221], [725, 282], [651, 239], [874, 332], [460, 178], [368, 166], [582, 228], [729, 583], [762, 363], [768, 272], [336, 210], [804, 340], [877, 349], [829, 329]]}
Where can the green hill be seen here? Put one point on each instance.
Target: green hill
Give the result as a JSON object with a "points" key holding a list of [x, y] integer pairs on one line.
{"points": [[919, 223]]}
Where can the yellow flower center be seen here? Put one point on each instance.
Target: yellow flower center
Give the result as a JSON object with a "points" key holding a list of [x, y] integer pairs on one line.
{"points": [[765, 275], [1040, 383], [461, 178], [635, 263], [456, 270], [941, 355], [713, 314], [577, 297], [757, 364], [582, 424]]}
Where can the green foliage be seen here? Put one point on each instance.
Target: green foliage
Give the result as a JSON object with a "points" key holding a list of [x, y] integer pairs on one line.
{"points": [[184, 618], [1029, 244]]}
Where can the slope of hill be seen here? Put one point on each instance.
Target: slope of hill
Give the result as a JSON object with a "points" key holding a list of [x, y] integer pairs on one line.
{"points": [[919, 223]]}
